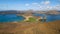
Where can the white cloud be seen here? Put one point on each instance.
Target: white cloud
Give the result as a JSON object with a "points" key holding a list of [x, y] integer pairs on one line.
{"points": [[57, 7], [27, 4], [45, 2], [45, 6], [34, 3], [49, 7]]}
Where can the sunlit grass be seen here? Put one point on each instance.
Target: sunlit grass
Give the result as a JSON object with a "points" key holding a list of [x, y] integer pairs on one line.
{"points": [[31, 19]]}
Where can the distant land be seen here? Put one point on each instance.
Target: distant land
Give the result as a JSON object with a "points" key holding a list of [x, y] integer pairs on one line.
{"points": [[29, 11]]}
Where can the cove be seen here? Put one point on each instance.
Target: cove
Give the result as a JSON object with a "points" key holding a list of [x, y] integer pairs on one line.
{"points": [[49, 18], [10, 18]]}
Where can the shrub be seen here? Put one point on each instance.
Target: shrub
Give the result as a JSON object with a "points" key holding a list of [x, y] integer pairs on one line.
{"points": [[31, 19]]}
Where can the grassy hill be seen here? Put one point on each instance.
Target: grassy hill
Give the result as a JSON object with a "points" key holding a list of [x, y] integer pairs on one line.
{"points": [[30, 28]]}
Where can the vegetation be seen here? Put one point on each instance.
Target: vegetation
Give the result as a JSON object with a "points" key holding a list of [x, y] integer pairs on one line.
{"points": [[31, 19], [41, 20], [21, 21], [30, 28]]}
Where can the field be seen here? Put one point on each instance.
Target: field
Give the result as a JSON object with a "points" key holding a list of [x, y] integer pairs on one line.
{"points": [[30, 28]]}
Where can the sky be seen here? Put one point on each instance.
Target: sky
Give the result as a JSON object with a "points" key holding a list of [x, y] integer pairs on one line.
{"points": [[29, 4]]}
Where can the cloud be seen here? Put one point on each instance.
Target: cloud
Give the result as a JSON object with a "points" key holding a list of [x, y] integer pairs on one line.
{"points": [[34, 3], [57, 7], [27, 4], [49, 7], [45, 2], [44, 5]]}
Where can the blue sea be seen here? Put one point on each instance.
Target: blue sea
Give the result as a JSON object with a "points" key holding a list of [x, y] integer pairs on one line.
{"points": [[49, 18], [10, 18], [14, 17]]}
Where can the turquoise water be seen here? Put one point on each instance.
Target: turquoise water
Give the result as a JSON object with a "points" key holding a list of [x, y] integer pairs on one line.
{"points": [[49, 18], [10, 18], [14, 17]]}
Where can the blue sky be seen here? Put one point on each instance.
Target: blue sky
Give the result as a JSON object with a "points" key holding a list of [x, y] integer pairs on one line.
{"points": [[29, 4]]}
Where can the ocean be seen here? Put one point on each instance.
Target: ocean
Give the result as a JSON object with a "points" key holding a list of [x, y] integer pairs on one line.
{"points": [[14, 18], [49, 18], [10, 18]]}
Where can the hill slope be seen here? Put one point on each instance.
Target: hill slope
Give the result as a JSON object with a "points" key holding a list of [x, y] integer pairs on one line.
{"points": [[30, 28]]}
